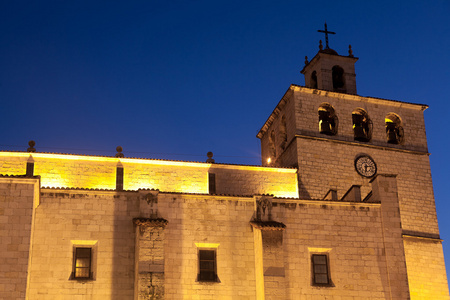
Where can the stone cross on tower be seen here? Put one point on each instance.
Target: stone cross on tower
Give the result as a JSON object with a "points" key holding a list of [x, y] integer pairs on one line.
{"points": [[326, 35]]}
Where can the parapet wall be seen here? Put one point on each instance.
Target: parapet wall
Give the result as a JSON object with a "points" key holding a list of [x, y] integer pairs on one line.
{"points": [[95, 172]]}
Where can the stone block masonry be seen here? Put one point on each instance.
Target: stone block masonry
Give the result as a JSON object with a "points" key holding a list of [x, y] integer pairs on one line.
{"points": [[75, 171], [17, 204]]}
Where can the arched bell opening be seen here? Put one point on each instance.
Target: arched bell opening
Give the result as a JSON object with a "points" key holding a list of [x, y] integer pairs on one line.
{"points": [[313, 82], [338, 79], [394, 129], [362, 125], [328, 120]]}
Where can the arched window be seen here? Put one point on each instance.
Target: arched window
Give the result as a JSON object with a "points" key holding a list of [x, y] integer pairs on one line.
{"points": [[283, 134], [273, 151], [362, 125], [394, 129], [328, 121], [338, 79], [313, 82]]}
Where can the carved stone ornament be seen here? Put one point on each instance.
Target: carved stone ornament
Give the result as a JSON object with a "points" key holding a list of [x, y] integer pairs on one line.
{"points": [[31, 148], [145, 223], [151, 198], [264, 208]]}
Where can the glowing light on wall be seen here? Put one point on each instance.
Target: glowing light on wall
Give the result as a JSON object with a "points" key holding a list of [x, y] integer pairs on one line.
{"points": [[92, 172]]}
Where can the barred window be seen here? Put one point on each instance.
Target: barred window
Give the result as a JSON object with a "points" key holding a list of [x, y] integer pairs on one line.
{"points": [[320, 269], [82, 263], [207, 265]]}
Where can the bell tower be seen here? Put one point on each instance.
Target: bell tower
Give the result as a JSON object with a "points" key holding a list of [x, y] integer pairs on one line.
{"points": [[341, 143], [330, 71]]}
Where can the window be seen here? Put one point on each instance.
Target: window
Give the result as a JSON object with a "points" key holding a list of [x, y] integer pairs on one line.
{"points": [[328, 121], [394, 130], [320, 269], [207, 265], [82, 265], [362, 125]]}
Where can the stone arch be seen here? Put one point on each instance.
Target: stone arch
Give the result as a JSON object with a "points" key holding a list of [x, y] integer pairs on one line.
{"points": [[362, 125], [394, 129], [328, 120], [313, 82], [338, 79]]}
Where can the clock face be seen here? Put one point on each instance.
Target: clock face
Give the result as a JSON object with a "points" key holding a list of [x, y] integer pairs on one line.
{"points": [[365, 166]]}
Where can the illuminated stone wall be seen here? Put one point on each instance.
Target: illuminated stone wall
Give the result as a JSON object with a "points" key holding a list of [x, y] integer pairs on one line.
{"points": [[327, 162], [307, 102], [286, 155], [173, 178], [17, 198], [333, 167], [12, 165], [427, 279], [241, 180], [63, 172], [362, 240], [350, 234], [68, 218], [75, 171], [105, 219], [205, 221]]}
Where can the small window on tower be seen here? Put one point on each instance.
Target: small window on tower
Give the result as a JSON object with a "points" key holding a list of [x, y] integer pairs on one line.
{"points": [[362, 125], [320, 270], [207, 265], [338, 79], [313, 82], [328, 121], [394, 130]]}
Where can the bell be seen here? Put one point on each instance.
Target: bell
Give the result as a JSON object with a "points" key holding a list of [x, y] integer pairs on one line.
{"points": [[359, 133], [325, 125], [360, 128], [357, 119], [391, 133]]}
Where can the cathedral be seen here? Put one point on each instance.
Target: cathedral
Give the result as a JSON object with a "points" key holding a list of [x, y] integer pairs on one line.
{"points": [[341, 207]]}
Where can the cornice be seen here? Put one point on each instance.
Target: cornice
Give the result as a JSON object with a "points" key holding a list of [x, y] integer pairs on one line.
{"points": [[361, 145]]}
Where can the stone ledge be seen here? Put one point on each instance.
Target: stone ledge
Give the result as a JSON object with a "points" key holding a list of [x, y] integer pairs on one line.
{"points": [[268, 225], [147, 222]]}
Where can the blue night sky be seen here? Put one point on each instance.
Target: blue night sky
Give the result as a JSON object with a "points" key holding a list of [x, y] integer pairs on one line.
{"points": [[176, 79]]}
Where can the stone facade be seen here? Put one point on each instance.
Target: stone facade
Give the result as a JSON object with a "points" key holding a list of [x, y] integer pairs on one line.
{"points": [[326, 160], [305, 225], [18, 199]]}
